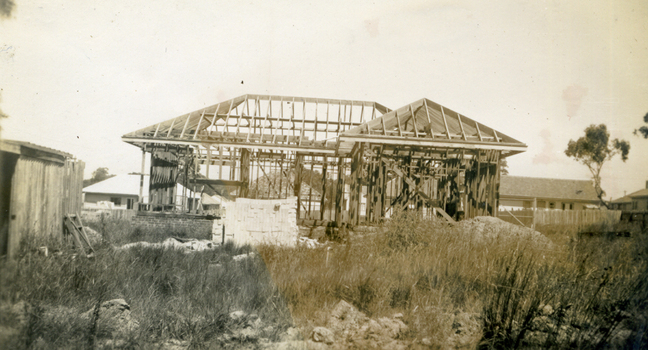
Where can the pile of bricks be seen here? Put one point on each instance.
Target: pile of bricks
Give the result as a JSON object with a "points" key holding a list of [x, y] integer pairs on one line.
{"points": [[254, 221]]}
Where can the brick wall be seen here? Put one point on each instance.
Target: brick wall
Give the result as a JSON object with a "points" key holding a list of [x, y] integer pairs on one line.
{"points": [[254, 221], [194, 225]]}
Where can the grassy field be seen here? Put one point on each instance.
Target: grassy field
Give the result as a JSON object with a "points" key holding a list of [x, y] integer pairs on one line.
{"points": [[430, 271], [447, 282], [172, 294]]}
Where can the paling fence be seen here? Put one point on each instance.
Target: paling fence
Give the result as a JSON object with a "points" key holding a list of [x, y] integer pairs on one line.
{"points": [[532, 218]]}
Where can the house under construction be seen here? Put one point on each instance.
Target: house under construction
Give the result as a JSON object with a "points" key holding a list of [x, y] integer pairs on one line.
{"points": [[359, 159]]}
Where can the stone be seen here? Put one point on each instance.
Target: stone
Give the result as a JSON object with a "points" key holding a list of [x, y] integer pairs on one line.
{"points": [[114, 319], [236, 315], [546, 310], [543, 324], [426, 341], [392, 328], [291, 334], [322, 335]]}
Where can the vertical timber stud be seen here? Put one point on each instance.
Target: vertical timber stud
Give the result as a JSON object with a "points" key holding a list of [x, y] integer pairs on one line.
{"points": [[382, 184], [141, 190], [339, 194], [245, 172], [371, 188], [323, 193], [356, 184], [299, 173]]}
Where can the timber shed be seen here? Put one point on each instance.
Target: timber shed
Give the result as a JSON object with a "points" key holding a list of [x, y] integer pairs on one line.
{"points": [[38, 186], [422, 156]]}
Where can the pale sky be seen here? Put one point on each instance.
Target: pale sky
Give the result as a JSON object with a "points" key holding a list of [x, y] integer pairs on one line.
{"points": [[77, 75]]}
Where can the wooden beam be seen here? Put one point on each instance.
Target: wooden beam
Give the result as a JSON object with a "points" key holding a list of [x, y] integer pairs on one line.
{"points": [[463, 133], [445, 123], [424, 142]]}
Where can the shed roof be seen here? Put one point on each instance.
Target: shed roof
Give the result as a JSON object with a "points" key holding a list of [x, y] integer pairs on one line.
{"points": [[536, 187], [29, 149]]}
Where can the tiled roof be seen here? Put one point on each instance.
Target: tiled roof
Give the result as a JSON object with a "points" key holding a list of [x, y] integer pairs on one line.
{"points": [[536, 187], [624, 199], [640, 193]]}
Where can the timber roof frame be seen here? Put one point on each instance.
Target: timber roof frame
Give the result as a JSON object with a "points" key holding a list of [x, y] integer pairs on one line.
{"points": [[425, 123], [302, 124], [323, 127]]}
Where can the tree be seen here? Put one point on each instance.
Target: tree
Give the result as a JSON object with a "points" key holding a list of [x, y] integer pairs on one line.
{"points": [[503, 166], [644, 129], [6, 7], [97, 176], [594, 149]]}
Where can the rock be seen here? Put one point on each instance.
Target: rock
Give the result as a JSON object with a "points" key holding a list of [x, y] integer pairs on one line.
{"points": [[619, 338], [291, 334], [546, 310], [345, 319], [293, 345], [318, 233], [246, 335], [398, 316], [543, 324], [93, 236], [488, 229], [535, 338], [322, 335], [392, 328], [236, 315], [426, 341], [114, 319], [242, 257]]}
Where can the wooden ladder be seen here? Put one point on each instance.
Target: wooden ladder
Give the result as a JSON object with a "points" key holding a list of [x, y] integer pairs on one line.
{"points": [[75, 228]]}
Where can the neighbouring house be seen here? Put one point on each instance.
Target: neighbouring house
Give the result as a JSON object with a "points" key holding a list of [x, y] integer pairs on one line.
{"points": [[623, 203], [38, 187], [634, 201], [122, 192], [521, 192]]}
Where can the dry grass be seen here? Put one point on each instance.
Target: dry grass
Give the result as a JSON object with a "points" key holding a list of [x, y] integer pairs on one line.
{"points": [[173, 295], [430, 271]]}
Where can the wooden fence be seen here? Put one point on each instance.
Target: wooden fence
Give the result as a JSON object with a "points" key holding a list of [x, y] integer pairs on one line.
{"points": [[42, 192], [532, 218]]}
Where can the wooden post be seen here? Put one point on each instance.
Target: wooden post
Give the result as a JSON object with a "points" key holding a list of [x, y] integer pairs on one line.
{"points": [[323, 193], [381, 187], [356, 184], [310, 188], [339, 194], [299, 173], [497, 183], [141, 190], [245, 172], [371, 188]]}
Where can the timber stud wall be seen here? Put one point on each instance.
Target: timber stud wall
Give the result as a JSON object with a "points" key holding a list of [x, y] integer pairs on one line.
{"points": [[421, 156]]}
